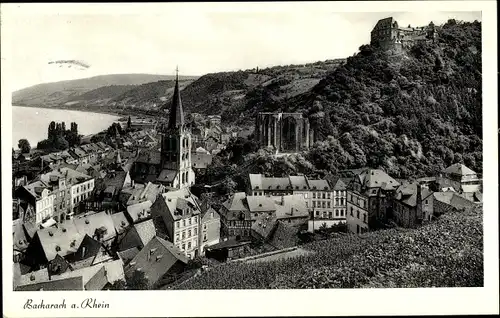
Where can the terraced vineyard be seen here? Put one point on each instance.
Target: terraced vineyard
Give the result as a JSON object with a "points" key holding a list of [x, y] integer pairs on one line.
{"points": [[445, 253]]}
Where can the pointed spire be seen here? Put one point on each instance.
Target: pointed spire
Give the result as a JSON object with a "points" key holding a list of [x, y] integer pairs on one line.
{"points": [[176, 116]]}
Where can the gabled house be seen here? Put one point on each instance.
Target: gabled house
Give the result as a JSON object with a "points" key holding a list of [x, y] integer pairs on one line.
{"points": [[158, 259], [369, 199], [47, 243], [412, 204], [134, 240], [176, 216]]}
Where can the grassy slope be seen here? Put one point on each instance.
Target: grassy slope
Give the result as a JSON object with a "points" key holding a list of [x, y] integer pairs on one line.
{"points": [[445, 253]]}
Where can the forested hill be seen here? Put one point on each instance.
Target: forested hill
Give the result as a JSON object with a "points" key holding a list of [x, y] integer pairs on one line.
{"points": [[411, 113]]}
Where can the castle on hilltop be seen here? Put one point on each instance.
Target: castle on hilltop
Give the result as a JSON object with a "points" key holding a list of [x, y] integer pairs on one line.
{"points": [[387, 34]]}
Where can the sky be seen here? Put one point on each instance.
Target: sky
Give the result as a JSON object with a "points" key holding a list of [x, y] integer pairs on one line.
{"points": [[198, 38]]}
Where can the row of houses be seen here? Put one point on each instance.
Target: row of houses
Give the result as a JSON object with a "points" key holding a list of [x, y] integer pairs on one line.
{"points": [[325, 199], [374, 198], [82, 154], [79, 255]]}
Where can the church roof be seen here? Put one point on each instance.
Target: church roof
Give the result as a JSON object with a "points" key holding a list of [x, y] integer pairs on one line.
{"points": [[176, 116]]}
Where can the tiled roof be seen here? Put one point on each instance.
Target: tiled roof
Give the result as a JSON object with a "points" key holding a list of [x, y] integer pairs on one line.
{"points": [[459, 169], [319, 184], [139, 211], [88, 248], [39, 276], [113, 270], [35, 188], [236, 202], [88, 223], [128, 254], [340, 185], [156, 259], [264, 224], [172, 197], [74, 177], [120, 222], [260, 204], [374, 178], [72, 283], [291, 206], [63, 240], [299, 182], [444, 197], [145, 230], [148, 192]]}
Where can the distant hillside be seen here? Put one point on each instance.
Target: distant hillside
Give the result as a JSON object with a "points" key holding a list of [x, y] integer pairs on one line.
{"points": [[59, 93], [237, 96]]}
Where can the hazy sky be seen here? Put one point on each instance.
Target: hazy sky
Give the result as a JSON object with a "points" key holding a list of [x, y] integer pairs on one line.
{"points": [[195, 37]]}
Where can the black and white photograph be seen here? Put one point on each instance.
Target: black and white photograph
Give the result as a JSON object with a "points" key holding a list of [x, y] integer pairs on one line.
{"points": [[204, 147]]}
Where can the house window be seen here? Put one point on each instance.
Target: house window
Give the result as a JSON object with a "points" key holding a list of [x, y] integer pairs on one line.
{"points": [[426, 202], [328, 204], [351, 211], [183, 234], [183, 247], [183, 222], [364, 218], [189, 245], [189, 233], [336, 212], [189, 221], [317, 213], [323, 205], [330, 214], [314, 195], [357, 214], [329, 195]]}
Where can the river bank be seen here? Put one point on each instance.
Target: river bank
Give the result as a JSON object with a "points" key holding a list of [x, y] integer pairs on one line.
{"points": [[122, 113], [31, 123]]}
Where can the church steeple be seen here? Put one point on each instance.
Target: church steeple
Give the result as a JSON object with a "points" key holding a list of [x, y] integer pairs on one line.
{"points": [[176, 116], [176, 147]]}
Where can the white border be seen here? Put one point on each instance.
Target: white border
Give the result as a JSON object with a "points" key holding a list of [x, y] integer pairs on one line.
{"points": [[275, 302]]}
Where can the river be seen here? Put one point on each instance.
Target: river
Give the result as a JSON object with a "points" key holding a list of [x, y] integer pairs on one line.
{"points": [[32, 123]]}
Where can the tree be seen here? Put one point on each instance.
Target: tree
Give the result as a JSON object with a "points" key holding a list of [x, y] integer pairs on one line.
{"points": [[24, 145], [137, 281], [118, 285], [129, 123]]}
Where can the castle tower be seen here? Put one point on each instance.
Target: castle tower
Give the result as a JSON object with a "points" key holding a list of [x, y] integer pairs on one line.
{"points": [[176, 147]]}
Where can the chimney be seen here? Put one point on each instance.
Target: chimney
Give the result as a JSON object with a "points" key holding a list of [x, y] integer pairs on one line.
{"points": [[83, 251]]}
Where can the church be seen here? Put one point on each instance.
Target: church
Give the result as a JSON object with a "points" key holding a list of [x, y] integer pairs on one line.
{"points": [[171, 166]]}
